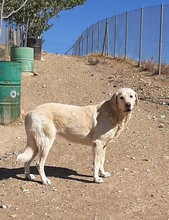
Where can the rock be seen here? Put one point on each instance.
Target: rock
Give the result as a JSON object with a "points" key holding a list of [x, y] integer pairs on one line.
{"points": [[163, 116], [3, 207], [13, 216], [25, 191], [161, 126], [147, 170], [125, 169], [154, 117], [166, 157]]}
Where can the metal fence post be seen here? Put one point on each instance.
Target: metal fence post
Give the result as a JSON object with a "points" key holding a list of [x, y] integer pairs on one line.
{"points": [[107, 38], [98, 38], [141, 35], [82, 44], [92, 40], [105, 43], [115, 34], [75, 50], [160, 39], [87, 40], [126, 37]]}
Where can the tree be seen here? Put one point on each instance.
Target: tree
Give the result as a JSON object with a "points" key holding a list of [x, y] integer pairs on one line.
{"points": [[2, 16], [35, 14]]}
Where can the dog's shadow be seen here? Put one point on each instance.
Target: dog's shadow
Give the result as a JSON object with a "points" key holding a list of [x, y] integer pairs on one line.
{"points": [[58, 172]]}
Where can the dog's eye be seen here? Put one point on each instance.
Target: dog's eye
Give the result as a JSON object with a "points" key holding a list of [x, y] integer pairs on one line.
{"points": [[131, 96], [122, 97]]}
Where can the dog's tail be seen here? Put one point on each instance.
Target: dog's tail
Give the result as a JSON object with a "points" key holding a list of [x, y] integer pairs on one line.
{"points": [[26, 156]]}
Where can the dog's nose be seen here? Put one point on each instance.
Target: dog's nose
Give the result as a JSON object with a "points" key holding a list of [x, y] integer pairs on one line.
{"points": [[128, 104]]}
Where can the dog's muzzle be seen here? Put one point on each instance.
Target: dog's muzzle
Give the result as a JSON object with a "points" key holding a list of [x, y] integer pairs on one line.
{"points": [[128, 107]]}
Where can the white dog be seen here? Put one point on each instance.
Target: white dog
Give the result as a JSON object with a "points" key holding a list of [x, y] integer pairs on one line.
{"points": [[94, 125]]}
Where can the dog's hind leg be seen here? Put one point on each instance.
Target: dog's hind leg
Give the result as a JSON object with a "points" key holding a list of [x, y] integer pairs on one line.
{"points": [[29, 154], [44, 150], [45, 142]]}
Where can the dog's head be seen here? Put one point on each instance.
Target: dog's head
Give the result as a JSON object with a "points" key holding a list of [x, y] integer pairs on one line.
{"points": [[124, 99]]}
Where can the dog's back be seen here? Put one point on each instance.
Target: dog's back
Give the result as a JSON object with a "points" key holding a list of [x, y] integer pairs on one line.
{"points": [[75, 123]]}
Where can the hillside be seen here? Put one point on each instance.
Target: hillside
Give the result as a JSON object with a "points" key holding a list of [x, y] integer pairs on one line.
{"points": [[138, 160]]}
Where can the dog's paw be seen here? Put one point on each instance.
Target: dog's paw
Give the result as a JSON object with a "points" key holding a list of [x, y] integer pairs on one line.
{"points": [[98, 180], [29, 176], [46, 181], [106, 174]]}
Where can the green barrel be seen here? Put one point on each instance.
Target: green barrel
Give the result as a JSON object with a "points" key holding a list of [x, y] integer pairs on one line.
{"points": [[10, 90], [25, 55]]}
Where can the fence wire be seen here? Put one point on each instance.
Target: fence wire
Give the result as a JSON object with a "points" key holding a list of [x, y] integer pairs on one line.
{"points": [[142, 35]]}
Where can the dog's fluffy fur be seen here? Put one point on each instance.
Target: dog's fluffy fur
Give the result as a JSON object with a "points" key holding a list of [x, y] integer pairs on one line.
{"points": [[94, 125]]}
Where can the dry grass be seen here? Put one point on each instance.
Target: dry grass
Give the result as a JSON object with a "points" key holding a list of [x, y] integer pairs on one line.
{"points": [[165, 70], [94, 59], [149, 66], [152, 68]]}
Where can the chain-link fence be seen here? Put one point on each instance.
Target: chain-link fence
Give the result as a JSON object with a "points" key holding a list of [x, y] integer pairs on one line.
{"points": [[142, 35]]}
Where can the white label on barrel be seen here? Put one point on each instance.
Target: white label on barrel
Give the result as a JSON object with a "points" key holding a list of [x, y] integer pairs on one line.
{"points": [[13, 94]]}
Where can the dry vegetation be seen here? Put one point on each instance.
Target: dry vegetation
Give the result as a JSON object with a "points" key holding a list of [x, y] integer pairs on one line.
{"points": [[148, 66], [2, 52], [152, 67]]}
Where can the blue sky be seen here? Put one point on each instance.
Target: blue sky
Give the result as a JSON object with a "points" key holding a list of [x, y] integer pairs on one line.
{"points": [[71, 23]]}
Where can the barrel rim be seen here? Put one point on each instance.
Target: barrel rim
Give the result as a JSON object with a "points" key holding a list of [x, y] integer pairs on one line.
{"points": [[21, 48]]}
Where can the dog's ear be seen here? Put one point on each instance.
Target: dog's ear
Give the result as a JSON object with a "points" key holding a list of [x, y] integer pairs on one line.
{"points": [[136, 95], [114, 99]]}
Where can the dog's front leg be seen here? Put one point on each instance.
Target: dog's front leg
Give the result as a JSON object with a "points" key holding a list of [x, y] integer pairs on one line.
{"points": [[98, 154], [102, 171]]}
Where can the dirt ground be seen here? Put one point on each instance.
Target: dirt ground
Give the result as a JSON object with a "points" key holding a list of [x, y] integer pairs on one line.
{"points": [[138, 160]]}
